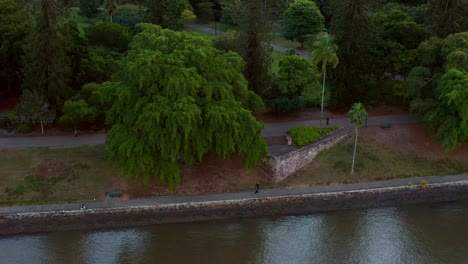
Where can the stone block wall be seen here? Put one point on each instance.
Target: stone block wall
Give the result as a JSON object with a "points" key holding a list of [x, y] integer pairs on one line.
{"points": [[280, 167]]}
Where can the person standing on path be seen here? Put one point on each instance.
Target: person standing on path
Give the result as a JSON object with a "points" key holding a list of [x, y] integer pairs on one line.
{"points": [[328, 120], [257, 188]]}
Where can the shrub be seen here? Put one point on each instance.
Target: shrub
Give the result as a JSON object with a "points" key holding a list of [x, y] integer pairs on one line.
{"points": [[305, 135], [24, 128], [110, 35], [285, 104], [128, 15]]}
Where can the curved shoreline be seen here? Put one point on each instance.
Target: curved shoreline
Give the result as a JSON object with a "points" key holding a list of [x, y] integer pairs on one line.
{"points": [[138, 212]]}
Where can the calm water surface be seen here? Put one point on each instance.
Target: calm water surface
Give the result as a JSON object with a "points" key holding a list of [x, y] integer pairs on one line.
{"points": [[436, 233]]}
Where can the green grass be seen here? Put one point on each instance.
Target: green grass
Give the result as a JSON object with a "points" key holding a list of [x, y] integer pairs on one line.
{"points": [[280, 41], [201, 34], [83, 22], [276, 58], [302, 136], [90, 174], [374, 162]]}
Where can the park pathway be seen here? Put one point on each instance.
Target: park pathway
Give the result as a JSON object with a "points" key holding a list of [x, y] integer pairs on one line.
{"points": [[270, 130], [302, 53], [236, 196]]}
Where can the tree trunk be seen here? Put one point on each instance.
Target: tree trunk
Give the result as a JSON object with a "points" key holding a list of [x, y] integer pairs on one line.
{"points": [[323, 98], [354, 155], [42, 127]]}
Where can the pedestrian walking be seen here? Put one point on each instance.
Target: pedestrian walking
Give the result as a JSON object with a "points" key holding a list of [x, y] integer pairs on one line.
{"points": [[75, 130], [257, 188], [83, 207], [328, 119]]}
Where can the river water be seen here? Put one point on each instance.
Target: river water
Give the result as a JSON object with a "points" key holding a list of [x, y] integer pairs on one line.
{"points": [[433, 233]]}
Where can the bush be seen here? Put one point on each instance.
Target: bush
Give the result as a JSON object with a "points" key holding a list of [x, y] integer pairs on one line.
{"points": [[227, 42], [305, 135], [285, 104], [110, 35], [128, 16], [24, 128]]}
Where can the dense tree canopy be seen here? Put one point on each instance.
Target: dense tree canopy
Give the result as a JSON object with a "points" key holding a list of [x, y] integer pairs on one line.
{"points": [[179, 99], [254, 26], [302, 18], [438, 88], [89, 8], [46, 65], [14, 25], [166, 13]]}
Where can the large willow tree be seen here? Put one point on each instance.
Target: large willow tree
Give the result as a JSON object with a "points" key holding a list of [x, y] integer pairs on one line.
{"points": [[179, 99]]}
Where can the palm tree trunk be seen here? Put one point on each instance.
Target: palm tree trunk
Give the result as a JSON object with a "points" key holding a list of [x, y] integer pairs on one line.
{"points": [[354, 155], [323, 98]]}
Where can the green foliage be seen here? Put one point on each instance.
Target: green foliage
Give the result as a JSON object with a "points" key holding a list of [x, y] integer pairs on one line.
{"points": [[399, 36], [302, 18], [447, 116], [46, 65], [166, 13], [89, 8], [24, 128], [447, 16], [297, 84], [354, 32], [179, 99], [324, 51], [97, 67], [302, 136], [112, 36], [100, 96], [33, 108], [357, 114], [228, 41], [14, 24], [439, 90], [35, 183], [254, 27], [297, 75], [129, 16], [110, 6], [283, 104], [75, 112]]}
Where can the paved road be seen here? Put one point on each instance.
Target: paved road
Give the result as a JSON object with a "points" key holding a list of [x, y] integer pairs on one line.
{"points": [[302, 53], [264, 193]]}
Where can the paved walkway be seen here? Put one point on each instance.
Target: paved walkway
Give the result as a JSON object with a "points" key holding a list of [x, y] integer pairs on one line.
{"points": [[271, 130], [302, 53], [207, 198]]}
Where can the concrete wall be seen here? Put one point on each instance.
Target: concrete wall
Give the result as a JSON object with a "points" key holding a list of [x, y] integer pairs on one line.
{"points": [[280, 167], [34, 222]]}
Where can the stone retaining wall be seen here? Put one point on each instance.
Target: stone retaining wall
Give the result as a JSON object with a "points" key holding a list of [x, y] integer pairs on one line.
{"points": [[252, 207], [280, 167]]}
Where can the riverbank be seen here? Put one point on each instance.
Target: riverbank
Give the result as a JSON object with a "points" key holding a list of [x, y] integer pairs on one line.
{"points": [[178, 209]]}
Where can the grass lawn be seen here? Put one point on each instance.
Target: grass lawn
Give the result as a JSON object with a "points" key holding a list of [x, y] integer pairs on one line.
{"points": [[280, 41], [276, 57], [83, 22], [374, 162], [201, 34], [86, 172]]}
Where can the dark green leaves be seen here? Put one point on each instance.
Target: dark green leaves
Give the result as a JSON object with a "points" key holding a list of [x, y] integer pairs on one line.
{"points": [[179, 99]]}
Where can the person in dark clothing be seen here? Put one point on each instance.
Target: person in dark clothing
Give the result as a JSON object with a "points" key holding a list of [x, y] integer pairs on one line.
{"points": [[328, 120], [257, 188]]}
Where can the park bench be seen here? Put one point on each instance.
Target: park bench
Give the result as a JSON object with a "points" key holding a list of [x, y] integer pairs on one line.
{"points": [[119, 194], [385, 125]]}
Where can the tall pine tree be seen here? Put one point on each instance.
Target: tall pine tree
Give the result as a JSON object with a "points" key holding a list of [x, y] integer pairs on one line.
{"points": [[46, 65], [255, 27]]}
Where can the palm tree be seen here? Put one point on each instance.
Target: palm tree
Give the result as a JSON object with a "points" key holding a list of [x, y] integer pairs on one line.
{"points": [[357, 115], [110, 6], [324, 52]]}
